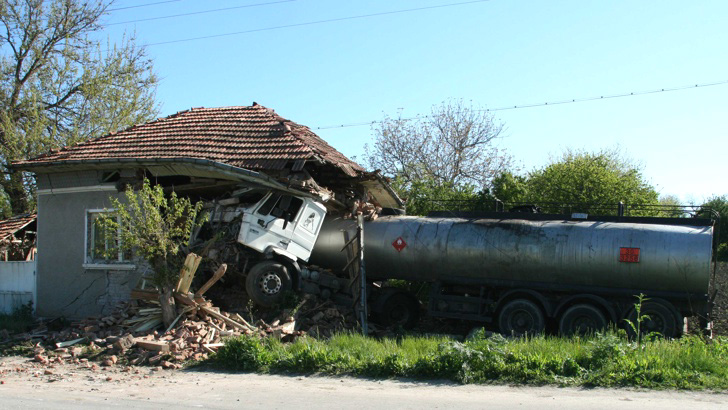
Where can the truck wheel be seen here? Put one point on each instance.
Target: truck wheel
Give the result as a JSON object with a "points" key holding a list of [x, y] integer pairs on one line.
{"points": [[582, 319], [266, 283], [661, 320], [400, 309], [521, 317]]}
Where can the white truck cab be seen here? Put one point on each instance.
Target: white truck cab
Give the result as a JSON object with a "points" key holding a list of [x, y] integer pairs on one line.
{"points": [[282, 223]]}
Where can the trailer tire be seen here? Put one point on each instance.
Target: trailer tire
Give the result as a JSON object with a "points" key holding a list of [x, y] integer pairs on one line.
{"points": [[582, 319], [400, 309], [266, 283], [661, 320], [521, 317]]}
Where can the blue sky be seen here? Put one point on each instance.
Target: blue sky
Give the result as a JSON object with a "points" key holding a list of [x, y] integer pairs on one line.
{"points": [[494, 53]]}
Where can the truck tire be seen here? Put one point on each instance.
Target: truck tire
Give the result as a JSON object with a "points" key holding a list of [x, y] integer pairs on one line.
{"points": [[266, 283], [400, 309], [661, 320], [521, 317], [582, 319]]}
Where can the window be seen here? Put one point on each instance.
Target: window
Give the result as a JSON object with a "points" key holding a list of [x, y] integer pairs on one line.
{"points": [[281, 206], [102, 243]]}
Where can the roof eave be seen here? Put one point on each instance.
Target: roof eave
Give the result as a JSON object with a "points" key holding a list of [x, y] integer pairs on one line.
{"points": [[225, 171]]}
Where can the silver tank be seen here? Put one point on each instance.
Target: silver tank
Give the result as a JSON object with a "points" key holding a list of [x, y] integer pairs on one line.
{"points": [[586, 253]]}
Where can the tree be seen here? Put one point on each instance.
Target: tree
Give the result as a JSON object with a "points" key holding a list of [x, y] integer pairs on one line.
{"points": [[427, 195], [155, 227], [509, 187], [594, 182], [719, 204], [454, 145], [59, 86]]}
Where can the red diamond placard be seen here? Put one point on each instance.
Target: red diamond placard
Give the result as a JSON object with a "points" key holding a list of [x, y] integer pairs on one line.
{"points": [[399, 244]]}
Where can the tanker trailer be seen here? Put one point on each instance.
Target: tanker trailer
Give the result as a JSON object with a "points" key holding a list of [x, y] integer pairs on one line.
{"points": [[527, 272]]}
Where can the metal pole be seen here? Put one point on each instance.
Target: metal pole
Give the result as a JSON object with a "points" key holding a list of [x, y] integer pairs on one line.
{"points": [[362, 277]]}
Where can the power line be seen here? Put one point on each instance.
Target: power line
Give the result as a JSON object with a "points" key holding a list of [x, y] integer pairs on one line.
{"points": [[198, 12], [546, 104], [143, 5], [310, 23]]}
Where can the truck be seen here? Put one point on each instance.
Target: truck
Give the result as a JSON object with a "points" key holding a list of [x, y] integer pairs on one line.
{"points": [[521, 273]]}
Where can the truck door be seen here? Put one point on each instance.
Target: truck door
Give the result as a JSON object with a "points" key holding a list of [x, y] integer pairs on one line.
{"points": [[271, 223], [306, 229]]}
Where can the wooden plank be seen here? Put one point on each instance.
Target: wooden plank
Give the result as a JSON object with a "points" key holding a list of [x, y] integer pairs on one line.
{"points": [[144, 294], [215, 277], [162, 347], [188, 272], [70, 342], [244, 325]]}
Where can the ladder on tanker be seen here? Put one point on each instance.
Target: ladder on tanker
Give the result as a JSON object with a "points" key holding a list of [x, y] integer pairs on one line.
{"points": [[354, 248]]}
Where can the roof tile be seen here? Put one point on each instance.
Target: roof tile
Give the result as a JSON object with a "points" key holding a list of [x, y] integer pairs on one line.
{"points": [[252, 137]]}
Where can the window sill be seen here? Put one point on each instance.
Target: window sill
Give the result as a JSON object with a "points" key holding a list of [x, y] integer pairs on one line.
{"points": [[110, 266]]}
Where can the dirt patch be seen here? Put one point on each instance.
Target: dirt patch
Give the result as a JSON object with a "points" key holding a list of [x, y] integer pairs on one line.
{"points": [[720, 310]]}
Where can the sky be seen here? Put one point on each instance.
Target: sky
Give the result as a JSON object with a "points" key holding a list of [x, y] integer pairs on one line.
{"points": [[328, 63]]}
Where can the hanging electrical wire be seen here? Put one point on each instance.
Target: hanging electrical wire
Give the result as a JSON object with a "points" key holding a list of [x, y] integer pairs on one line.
{"points": [[310, 23], [143, 5], [199, 12], [546, 104]]}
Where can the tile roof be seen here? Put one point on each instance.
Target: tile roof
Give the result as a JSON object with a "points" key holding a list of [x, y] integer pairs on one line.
{"points": [[252, 137], [14, 224]]}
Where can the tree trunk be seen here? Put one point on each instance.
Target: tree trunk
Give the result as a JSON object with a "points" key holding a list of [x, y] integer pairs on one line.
{"points": [[15, 190], [166, 301]]}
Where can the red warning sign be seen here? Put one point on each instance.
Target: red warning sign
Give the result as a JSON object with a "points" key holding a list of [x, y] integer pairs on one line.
{"points": [[629, 255], [399, 244]]}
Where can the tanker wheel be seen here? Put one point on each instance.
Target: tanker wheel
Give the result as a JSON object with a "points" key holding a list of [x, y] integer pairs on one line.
{"points": [[400, 309], [521, 317], [266, 283], [660, 320], [581, 320]]}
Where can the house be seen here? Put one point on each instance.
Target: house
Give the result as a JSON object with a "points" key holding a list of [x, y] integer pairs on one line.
{"points": [[202, 153], [17, 238]]}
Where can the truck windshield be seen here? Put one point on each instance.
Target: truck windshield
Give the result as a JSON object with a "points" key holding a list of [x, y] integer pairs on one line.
{"points": [[285, 205]]}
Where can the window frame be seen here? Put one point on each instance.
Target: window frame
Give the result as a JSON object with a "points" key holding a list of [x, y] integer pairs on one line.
{"points": [[120, 263]]}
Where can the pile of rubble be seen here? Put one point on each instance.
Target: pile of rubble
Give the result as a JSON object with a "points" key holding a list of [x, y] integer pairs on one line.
{"points": [[133, 335]]}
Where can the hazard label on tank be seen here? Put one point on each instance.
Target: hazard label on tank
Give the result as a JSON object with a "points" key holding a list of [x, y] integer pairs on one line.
{"points": [[399, 244], [629, 255]]}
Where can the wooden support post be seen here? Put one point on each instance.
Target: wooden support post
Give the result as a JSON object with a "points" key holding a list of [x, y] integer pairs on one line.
{"points": [[188, 273]]}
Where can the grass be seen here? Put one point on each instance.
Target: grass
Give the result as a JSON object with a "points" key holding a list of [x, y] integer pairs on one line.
{"points": [[602, 360], [21, 320]]}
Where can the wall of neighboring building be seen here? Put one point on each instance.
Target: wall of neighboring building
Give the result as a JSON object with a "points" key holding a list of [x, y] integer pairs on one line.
{"points": [[64, 286]]}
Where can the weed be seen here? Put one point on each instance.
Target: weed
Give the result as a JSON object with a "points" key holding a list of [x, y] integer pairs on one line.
{"points": [[21, 320]]}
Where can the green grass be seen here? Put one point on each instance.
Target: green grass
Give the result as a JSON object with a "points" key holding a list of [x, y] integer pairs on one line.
{"points": [[602, 360], [21, 320]]}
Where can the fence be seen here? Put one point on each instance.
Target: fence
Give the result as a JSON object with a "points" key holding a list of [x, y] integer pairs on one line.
{"points": [[17, 285]]}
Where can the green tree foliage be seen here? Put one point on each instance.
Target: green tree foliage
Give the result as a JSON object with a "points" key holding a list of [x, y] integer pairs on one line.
{"points": [[59, 86], [427, 195], [510, 188], [155, 227], [593, 181], [720, 205]]}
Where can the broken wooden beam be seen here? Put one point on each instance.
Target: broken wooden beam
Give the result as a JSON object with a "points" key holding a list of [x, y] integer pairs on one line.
{"points": [[215, 277], [144, 294], [188, 272], [162, 347]]}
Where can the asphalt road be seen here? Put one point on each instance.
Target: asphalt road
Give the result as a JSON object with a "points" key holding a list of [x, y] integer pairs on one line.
{"points": [[194, 389]]}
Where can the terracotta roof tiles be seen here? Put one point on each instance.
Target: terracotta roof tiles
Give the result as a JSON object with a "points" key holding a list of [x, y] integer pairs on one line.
{"points": [[252, 137], [14, 224]]}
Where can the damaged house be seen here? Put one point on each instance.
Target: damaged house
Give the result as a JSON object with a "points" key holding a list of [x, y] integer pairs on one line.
{"points": [[17, 238], [219, 155]]}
